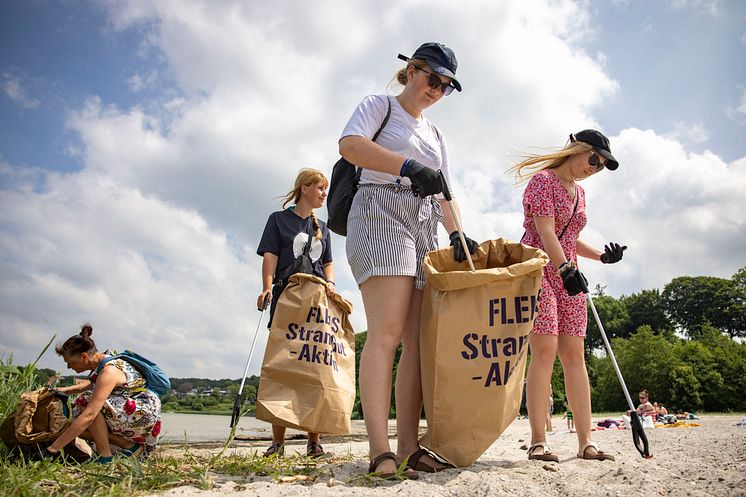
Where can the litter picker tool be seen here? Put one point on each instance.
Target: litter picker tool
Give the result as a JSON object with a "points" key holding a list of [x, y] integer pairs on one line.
{"points": [[638, 433], [238, 402], [447, 195]]}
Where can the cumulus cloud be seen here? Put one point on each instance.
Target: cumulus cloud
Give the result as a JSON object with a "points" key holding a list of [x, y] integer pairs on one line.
{"points": [[690, 133], [154, 239], [14, 86]]}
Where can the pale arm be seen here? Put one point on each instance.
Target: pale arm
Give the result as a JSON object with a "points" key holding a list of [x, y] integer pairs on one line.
{"points": [[329, 275], [76, 388], [107, 380], [585, 250], [269, 266], [545, 227]]}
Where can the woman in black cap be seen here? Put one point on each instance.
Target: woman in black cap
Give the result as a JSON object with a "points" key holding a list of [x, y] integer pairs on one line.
{"points": [[391, 226], [554, 215]]}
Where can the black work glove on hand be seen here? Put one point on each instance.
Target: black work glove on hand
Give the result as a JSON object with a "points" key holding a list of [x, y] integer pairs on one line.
{"points": [[574, 281], [612, 253], [425, 181], [458, 248]]}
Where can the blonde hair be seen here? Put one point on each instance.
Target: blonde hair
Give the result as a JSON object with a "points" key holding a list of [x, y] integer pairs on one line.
{"points": [[538, 162], [306, 177], [401, 75]]}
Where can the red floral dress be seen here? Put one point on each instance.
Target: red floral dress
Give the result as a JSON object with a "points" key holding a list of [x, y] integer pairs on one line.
{"points": [[131, 411], [559, 313]]}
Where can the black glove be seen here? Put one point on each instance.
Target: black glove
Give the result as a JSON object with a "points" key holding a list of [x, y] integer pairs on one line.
{"points": [[458, 248], [612, 253], [425, 181], [574, 281]]}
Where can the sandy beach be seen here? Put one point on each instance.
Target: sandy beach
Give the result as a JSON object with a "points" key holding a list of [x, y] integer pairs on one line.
{"points": [[709, 460]]}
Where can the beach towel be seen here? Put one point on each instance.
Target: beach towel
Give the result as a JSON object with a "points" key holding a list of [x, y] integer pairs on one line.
{"points": [[473, 344], [307, 381]]}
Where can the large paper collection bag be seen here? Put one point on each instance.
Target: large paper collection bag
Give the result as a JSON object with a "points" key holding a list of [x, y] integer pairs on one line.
{"points": [[308, 374], [473, 344]]}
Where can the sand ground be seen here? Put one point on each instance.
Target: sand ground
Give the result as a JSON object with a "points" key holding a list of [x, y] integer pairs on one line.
{"points": [[709, 460]]}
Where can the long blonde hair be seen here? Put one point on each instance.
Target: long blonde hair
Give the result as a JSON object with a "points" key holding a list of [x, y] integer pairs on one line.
{"points": [[538, 162], [306, 177]]}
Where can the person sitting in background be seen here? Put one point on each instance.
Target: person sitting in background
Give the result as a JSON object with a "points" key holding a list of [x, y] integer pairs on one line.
{"points": [[645, 408], [114, 406]]}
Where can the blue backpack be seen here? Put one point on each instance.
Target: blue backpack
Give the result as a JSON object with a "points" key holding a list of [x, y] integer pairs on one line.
{"points": [[156, 379]]}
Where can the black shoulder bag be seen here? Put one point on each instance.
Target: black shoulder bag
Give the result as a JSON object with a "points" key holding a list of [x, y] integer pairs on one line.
{"points": [[343, 187]]}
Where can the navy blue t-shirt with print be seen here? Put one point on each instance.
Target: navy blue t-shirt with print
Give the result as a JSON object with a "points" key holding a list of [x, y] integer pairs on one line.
{"points": [[285, 235]]}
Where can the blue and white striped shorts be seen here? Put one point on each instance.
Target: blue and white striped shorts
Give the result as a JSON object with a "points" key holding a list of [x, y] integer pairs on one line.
{"points": [[389, 232]]}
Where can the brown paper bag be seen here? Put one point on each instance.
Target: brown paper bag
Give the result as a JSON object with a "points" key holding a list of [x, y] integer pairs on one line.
{"points": [[473, 344], [308, 374]]}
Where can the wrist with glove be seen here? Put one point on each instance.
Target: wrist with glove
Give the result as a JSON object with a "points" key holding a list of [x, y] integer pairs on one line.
{"points": [[425, 181], [459, 254], [613, 252], [572, 279]]}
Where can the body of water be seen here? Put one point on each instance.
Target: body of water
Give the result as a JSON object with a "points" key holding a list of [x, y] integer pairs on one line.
{"points": [[178, 427]]}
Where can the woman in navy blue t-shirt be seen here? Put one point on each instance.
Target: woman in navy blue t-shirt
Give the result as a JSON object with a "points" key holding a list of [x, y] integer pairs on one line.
{"points": [[286, 233]]}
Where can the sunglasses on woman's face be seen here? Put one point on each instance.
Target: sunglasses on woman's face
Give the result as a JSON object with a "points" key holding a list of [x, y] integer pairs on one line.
{"points": [[436, 83], [595, 161]]}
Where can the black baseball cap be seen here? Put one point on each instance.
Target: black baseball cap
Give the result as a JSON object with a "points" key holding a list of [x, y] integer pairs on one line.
{"points": [[439, 57], [599, 142]]}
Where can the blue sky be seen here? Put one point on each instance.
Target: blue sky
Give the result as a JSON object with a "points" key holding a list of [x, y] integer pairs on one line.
{"points": [[145, 143]]}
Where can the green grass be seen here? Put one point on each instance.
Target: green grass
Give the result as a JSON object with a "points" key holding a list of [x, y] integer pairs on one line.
{"points": [[131, 477]]}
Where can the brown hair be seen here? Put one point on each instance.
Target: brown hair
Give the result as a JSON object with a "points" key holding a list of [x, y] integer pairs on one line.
{"points": [[644, 393], [77, 344], [538, 162], [306, 177]]}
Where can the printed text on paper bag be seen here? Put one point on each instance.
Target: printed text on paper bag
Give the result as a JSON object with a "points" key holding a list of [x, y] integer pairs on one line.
{"points": [[318, 346], [502, 311]]}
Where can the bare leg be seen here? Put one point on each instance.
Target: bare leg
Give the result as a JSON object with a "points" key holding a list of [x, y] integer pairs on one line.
{"points": [[278, 434], [387, 301], [99, 432], [543, 353], [120, 442], [314, 437], [571, 354], [408, 391]]}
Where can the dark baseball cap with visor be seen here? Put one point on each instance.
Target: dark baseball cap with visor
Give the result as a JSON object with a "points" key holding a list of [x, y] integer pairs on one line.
{"points": [[599, 142], [439, 57]]}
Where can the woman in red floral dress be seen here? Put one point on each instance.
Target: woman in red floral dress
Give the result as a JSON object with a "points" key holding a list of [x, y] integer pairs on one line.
{"points": [[554, 215]]}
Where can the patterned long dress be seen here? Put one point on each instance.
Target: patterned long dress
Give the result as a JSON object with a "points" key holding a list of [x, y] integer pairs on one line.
{"points": [[131, 411]]}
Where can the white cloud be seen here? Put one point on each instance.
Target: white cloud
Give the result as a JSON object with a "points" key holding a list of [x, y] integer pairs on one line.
{"points": [[13, 84], [739, 111], [694, 133], [153, 240]]}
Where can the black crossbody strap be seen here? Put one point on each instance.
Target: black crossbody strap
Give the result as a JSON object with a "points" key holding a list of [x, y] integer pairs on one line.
{"points": [[359, 170], [574, 210]]}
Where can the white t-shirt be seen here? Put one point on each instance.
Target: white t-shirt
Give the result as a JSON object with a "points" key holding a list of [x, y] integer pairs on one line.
{"points": [[418, 139]]}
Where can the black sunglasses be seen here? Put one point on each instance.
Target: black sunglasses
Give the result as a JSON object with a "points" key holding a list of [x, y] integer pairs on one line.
{"points": [[595, 161], [435, 82]]}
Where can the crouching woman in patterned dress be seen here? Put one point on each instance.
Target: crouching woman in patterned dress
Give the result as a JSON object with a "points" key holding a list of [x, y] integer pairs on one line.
{"points": [[114, 406]]}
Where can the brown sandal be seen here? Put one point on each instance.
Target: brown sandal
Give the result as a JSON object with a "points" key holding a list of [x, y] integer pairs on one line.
{"points": [[277, 448], [546, 455], [315, 450], [413, 462], [598, 456], [407, 474]]}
